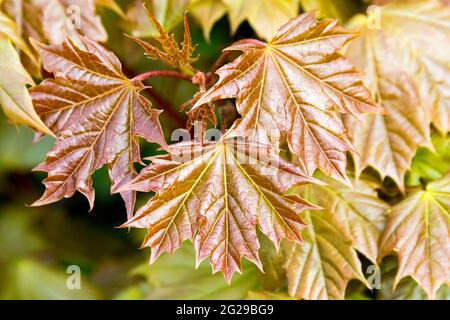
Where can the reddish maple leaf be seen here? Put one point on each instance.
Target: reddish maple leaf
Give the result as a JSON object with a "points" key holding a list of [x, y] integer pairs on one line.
{"points": [[216, 195], [97, 114], [293, 86]]}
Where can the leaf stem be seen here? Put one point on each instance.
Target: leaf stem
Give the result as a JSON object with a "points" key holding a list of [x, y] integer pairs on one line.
{"points": [[162, 73], [249, 41]]}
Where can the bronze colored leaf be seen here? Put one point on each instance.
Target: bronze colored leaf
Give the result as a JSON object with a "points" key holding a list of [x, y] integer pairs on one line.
{"points": [[421, 31], [351, 220], [97, 114], [418, 231], [294, 85], [217, 195], [387, 142]]}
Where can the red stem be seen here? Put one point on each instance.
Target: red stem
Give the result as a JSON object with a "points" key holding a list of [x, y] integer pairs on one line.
{"points": [[162, 73], [250, 41]]}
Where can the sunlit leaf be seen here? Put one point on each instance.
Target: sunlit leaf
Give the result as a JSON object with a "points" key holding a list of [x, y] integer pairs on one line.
{"points": [[49, 21], [294, 85], [217, 195], [8, 30], [267, 295], [420, 31], [97, 114]]}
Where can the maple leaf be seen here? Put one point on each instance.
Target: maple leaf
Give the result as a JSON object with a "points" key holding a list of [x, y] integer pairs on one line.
{"points": [[387, 142], [170, 53], [97, 114], [293, 86], [351, 220], [418, 231], [216, 195], [421, 31], [14, 97]]}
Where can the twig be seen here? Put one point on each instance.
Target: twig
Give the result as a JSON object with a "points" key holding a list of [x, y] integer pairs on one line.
{"points": [[162, 73]]}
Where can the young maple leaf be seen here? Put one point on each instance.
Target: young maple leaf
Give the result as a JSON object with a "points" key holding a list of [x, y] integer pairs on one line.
{"points": [[217, 195], [387, 142], [171, 53], [97, 114], [293, 86], [412, 89], [421, 31], [418, 231], [352, 219]]}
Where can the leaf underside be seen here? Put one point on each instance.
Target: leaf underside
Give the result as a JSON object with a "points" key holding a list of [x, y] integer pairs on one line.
{"points": [[217, 198], [97, 115], [293, 87], [387, 142]]}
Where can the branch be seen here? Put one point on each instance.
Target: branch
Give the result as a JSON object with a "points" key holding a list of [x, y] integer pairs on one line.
{"points": [[162, 73]]}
